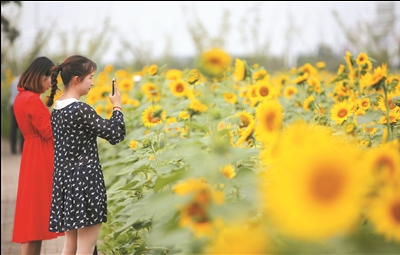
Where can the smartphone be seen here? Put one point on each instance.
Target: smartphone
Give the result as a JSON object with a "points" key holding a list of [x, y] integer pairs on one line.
{"points": [[112, 86]]}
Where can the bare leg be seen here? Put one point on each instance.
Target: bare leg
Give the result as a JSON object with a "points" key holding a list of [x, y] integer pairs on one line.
{"points": [[31, 248], [87, 238], [70, 242]]}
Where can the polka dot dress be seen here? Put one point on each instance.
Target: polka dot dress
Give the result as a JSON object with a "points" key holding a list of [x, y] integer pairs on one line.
{"points": [[79, 195]]}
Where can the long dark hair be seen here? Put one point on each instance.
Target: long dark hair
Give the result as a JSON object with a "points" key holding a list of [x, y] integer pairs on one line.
{"points": [[72, 66], [31, 78]]}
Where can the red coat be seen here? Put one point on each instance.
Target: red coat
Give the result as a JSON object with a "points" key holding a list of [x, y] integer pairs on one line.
{"points": [[32, 211]]}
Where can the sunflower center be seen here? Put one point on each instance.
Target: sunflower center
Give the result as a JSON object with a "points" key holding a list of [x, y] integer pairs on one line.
{"points": [[269, 121], [245, 122], [395, 210], [264, 91], [326, 185], [215, 61], [385, 164], [179, 88], [364, 104], [342, 113], [391, 104], [197, 212]]}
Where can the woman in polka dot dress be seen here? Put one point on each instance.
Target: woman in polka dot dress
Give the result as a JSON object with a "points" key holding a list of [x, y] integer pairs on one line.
{"points": [[79, 201]]}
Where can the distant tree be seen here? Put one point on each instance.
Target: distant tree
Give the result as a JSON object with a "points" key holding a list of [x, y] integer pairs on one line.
{"points": [[11, 32]]}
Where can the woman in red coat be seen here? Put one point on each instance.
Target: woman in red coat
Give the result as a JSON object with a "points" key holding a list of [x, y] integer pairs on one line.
{"points": [[32, 211]]}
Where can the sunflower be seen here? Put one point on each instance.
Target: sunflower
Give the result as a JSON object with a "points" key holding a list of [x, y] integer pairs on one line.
{"points": [[228, 171], [125, 85], [230, 97], [364, 103], [315, 84], [361, 59], [264, 90], [318, 185], [99, 109], [184, 115], [108, 68], [269, 117], [307, 102], [367, 81], [301, 78], [153, 115], [151, 91], [246, 118], [391, 102], [173, 74], [341, 111], [195, 214], [246, 136], [153, 70], [172, 126], [133, 144], [178, 88], [341, 69], [214, 62], [197, 106], [260, 74], [320, 65], [289, 91], [349, 61], [239, 238], [383, 162], [94, 95], [384, 212], [240, 70], [308, 69]]}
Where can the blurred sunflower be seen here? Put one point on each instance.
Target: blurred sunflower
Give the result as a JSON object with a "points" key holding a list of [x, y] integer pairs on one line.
{"points": [[125, 85], [240, 70], [153, 70], [239, 238], [309, 69], [171, 126], [383, 163], [197, 106], [391, 103], [317, 188], [269, 117], [173, 74], [214, 62], [153, 115], [228, 171], [289, 91], [184, 115], [195, 214], [307, 102], [260, 74], [151, 91], [178, 87], [246, 118], [133, 144], [301, 78], [361, 59], [264, 90], [230, 97], [384, 212]]}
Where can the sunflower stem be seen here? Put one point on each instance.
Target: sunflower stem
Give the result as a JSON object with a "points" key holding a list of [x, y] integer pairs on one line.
{"points": [[390, 138]]}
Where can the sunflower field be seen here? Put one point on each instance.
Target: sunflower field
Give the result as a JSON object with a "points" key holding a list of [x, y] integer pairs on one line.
{"points": [[228, 158]]}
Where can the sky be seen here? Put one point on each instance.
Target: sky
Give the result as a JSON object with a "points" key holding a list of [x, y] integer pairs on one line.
{"points": [[290, 27]]}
